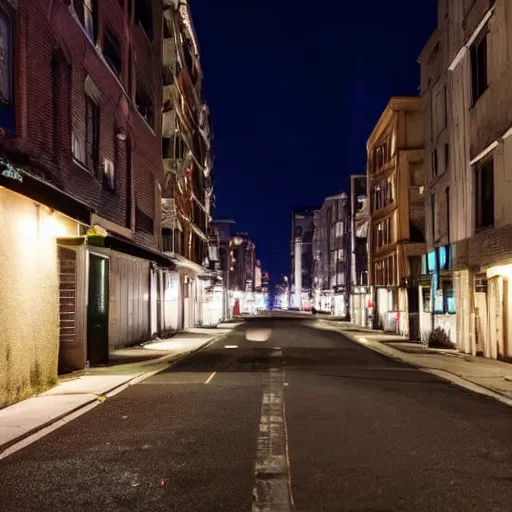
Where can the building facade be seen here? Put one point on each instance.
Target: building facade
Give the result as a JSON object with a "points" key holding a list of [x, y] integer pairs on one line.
{"points": [[331, 255], [301, 251], [360, 296], [436, 286], [187, 191], [395, 170], [80, 146], [477, 39]]}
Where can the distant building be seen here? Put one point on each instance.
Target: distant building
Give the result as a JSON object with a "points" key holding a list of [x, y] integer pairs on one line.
{"points": [[360, 297], [301, 251], [331, 254], [396, 241]]}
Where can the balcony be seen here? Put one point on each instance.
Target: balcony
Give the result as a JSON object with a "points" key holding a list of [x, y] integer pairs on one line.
{"points": [[169, 214]]}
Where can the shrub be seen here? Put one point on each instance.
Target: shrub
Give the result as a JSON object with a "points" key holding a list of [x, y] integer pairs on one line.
{"points": [[437, 338]]}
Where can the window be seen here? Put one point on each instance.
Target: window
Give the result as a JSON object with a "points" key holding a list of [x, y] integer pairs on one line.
{"points": [[92, 134], [427, 306], [143, 222], [383, 234], [90, 13], [433, 214], [478, 54], [484, 194], [440, 112], [381, 155], [435, 164], [448, 213], [144, 102], [448, 297], [6, 74], [144, 16], [446, 156], [112, 51]]}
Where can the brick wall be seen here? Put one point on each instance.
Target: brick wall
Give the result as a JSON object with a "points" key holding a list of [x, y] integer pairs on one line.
{"points": [[56, 63]]}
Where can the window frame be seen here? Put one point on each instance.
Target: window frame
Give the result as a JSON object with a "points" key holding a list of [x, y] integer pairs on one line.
{"points": [[92, 156], [477, 90], [7, 13], [480, 213]]}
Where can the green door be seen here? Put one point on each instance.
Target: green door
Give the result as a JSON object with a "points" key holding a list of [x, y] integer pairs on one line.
{"points": [[97, 311]]}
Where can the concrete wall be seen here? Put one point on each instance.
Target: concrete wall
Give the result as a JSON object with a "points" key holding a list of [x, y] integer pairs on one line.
{"points": [[29, 296]]}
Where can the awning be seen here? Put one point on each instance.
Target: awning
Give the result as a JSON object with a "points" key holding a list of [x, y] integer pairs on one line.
{"points": [[121, 245], [23, 182]]}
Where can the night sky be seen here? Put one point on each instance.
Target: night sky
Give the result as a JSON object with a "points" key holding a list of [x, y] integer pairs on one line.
{"points": [[295, 89]]}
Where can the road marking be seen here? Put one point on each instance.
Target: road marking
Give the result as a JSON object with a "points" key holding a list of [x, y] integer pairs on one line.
{"points": [[210, 378], [272, 487]]}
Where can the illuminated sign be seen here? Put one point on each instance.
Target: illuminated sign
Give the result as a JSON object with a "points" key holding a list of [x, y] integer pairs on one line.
{"points": [[10, 172]]}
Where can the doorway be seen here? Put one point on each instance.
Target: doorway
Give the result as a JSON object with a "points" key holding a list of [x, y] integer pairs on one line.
{"points": [[97, 310]]}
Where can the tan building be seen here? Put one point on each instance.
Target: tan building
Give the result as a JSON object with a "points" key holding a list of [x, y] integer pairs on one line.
{"points": [[436, 288], [479, 64], [395, 170]]}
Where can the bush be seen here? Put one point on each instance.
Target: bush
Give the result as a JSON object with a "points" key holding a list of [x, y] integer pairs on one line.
{"points": [[438, 338]]}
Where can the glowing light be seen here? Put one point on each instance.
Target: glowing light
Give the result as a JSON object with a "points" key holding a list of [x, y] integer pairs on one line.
{"points": [[230, 346]]}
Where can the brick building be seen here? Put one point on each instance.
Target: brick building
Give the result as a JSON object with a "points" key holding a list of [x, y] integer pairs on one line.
{"points": [[187, 193], [81, 171]]}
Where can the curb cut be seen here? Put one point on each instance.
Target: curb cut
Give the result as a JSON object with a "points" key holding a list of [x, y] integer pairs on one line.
{"points": [[446, 375], [49, 426]]}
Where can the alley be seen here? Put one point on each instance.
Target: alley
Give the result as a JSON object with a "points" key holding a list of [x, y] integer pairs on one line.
{"points": [[358, 432]]}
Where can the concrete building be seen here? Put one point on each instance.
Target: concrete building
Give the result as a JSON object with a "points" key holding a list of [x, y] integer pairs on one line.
{"points": [[360, 296], [301, 251], [331, 255], [80, 175], [187, 192], [436, 288], [396, 174], [476, 37]]}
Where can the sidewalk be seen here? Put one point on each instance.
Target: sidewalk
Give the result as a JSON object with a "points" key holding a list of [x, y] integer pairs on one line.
{"points": [[486, 376], [80, 391]]}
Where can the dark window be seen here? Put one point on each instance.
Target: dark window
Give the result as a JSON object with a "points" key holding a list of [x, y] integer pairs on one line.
{"points": [[143, 222], [144, 16], [90, 17], [7, 117], [446, 156], [112, 51], [479, 67], [433, 212], [448, 213], [128, 157], [92, 134], [484, 194], [298, 231], [144, 102], [435, 164]]}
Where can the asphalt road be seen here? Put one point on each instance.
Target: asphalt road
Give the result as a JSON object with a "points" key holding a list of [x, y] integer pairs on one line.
{"points": [[363, 434]]}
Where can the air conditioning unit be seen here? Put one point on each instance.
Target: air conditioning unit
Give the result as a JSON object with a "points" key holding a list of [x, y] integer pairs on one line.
{"points": [[109, 173]]}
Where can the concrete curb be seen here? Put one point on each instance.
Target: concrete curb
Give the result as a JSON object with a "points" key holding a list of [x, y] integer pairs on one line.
{"points": [[453, 378], [46, 428]]}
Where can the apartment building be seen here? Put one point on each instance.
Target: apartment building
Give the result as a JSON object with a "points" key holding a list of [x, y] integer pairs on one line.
{"points": [[395, 170], [478, 41], [331, 255], [187, 192]]}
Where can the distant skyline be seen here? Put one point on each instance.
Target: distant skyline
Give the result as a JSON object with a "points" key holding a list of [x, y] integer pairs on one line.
{"points": [[294, 94]]}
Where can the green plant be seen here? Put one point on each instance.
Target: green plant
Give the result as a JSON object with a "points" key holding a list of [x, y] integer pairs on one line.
{"points": [[437, 338]]}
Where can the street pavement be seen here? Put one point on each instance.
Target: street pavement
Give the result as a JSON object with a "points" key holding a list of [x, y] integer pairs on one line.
{"points": [[279, 415]]}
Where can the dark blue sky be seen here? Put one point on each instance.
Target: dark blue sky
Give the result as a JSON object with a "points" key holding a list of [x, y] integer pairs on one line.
{"points": [[295, 89]]}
